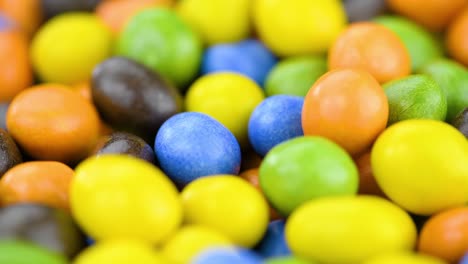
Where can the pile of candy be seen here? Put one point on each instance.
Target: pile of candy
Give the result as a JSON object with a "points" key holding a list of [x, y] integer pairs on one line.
{"points": [[234, 131]]}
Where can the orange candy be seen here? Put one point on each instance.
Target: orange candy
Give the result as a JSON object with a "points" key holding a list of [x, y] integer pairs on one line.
{"points": [[52, 122], [433, 14], [445, 235], [457, 38], [27, 13], [371, 47], [44, 182], [367, 182], [347, 106], [15, 68], [252, 177], [116, 14]]}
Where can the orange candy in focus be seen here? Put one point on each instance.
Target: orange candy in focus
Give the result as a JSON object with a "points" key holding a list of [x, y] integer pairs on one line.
{"points": [[44, 182], [52, 122], [445, 235], [457, 38], [15, 68], [347, 106], [252, 177], [433, 14], [371, 47], [116, 14]]}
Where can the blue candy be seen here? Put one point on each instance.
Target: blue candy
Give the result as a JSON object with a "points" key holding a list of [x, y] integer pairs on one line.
{"points": [[227, 256], [274, 243], [275, 120], [191, 145], [464, 260], [249, 57]]}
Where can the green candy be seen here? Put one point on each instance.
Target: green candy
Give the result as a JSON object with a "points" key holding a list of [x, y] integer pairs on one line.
{"points": [[452, 77], [17, 252], [306, 168], [287, 260], [422, 46], [295, 76], [159, 39], [415, 97]]}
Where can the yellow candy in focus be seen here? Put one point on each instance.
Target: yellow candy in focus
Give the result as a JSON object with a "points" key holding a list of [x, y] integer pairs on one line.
{"points": [[119, 196], [66, 48], [298, 27], [421, 165], [120, 252], [190, 241], [348, 229], [217, 21], [228, 204], [228, 97]]}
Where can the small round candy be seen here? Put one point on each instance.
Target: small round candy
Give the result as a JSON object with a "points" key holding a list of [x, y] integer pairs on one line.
{"points": [[20, 252], [273, 243], [133, 98], [158, 38], [15, 69], [189, 241], [51, 228], [456, 38], [229, 205], [415, 97], [300, 23], [125, 143], [404, 258], [452, 77], [191, 145], [121, 251], [275, 120], [295, 75], [114, 196], [445, 235], [227, 255], [61, 54], [411, 164], [228, 97], [306, 168], [44, 182], [51, 122], [383, 54], [347, 106], [217, 21], [349, 229], [10, 155], [422, 46], [249, 57]]}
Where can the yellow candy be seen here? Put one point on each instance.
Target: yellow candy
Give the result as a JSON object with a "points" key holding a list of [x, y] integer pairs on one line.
{"points": [[118, 196], [404, 258], [422, 165], [298, 27], [120, 252], [66, 48], [349, 229], [217, 21], [190, 240], [228, 204], [230, 98]]}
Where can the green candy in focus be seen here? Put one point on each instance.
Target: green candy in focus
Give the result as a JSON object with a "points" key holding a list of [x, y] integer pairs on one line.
{"points": [[159, 39]]}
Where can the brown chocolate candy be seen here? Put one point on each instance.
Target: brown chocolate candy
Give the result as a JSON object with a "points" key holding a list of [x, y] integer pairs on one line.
{"points": [[10, 155], [461, 122]]}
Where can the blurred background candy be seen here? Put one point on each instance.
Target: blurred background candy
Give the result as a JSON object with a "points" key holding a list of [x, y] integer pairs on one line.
{"points": [[457, 37], [273, 243], [227, 255], [27, 14], [461, 122], [21, 252], [51, 228], [158, 38], [133, 98], [191, 145], [363, 10], [10, 155], [52, 8]]}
